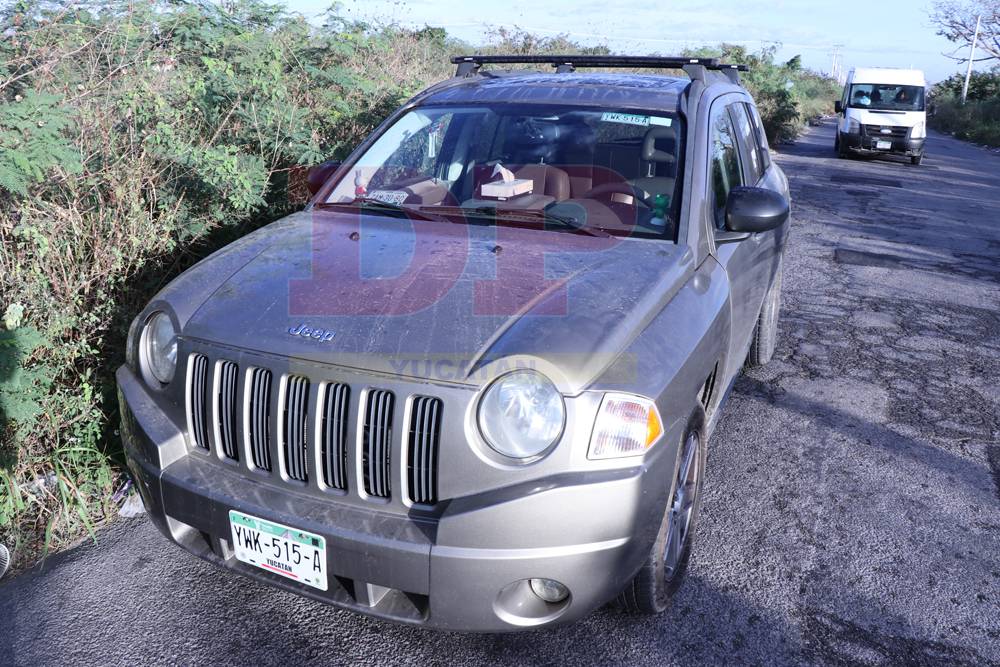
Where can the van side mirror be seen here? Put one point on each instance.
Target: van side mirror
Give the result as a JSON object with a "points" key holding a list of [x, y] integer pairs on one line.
{"points": [[319, 174], [750, 210], [838, 106]]}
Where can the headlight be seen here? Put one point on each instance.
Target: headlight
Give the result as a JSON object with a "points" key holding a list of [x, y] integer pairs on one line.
{"points": [[919, 131], [521, 414], [626, 426], [853, 127], [158, 347]]}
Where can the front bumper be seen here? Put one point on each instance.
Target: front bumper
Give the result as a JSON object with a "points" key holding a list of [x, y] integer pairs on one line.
{"points": [[464, 569], [868, 145]]}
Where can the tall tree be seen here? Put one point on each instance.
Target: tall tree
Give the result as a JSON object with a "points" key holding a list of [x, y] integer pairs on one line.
{"points": [[957, 21]]}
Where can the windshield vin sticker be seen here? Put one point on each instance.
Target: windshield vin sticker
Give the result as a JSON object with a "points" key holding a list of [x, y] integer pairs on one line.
{"points": [[396, 197], [633, 119]]}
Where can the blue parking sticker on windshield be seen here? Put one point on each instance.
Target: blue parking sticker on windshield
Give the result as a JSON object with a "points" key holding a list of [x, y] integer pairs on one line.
{"points": [[634, 119]]}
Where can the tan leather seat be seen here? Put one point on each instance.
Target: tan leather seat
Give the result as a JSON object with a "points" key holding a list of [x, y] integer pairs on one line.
{"points": [[426, 193], [662, 162], [548, 180]]}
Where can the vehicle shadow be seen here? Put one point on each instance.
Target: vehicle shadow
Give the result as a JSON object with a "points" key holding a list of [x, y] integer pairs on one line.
{"points": [[203, 614], [213, 615]]}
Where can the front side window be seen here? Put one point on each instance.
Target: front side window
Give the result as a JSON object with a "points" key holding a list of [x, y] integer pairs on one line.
{"points": [[758, 128], [886, 97], [725, 161], [614, 170], [751, 153]]}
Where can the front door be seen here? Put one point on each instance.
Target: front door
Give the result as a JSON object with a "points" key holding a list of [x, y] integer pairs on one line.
{"points": [[738, 258]]}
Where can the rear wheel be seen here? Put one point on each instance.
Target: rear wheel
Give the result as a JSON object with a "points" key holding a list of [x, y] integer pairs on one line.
{"points": [[765, 332], [652, 588]]}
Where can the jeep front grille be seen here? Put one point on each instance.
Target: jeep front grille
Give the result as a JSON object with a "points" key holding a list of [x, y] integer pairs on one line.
{"points": [[333, 437], [376, 443], [197, 393], [329, 435], [424, 436], [259, 417], [296, 419], [226, 408]]}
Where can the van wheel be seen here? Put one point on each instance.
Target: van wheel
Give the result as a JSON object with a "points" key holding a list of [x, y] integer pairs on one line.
{"points": [[917, 159], [841, 153], [765, 332], [653, 587]]}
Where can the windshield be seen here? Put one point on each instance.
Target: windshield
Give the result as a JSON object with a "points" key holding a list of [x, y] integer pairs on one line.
{"points": [[562, 167], [886, 97]]}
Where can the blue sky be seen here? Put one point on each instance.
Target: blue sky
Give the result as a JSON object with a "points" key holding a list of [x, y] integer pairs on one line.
{"points": [[889, 33]]}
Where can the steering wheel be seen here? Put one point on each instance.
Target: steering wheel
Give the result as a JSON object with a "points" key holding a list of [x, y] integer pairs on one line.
{"points": [[606, 194]]}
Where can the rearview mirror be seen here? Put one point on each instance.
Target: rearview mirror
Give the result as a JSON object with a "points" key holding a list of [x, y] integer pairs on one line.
{"points": [[750, 210], [319, 174], [838, 106]]}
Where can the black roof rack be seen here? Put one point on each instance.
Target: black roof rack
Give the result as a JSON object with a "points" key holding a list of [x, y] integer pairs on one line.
{"points": [[695, 67]]}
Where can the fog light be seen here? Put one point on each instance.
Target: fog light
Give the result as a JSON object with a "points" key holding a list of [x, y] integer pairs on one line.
{"points": [[549, 590]]}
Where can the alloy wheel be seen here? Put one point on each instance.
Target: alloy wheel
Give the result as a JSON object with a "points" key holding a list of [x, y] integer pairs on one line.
{"points": [[682, 504]]}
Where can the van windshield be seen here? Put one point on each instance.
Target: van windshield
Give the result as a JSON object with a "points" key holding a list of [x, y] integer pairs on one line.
{"points": [[886, 97], [614, 171]]}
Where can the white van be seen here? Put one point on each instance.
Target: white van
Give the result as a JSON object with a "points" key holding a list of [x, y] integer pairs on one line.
{"points": [[882, 113]]}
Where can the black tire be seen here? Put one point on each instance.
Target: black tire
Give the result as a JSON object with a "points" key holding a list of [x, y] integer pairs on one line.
{"points": [[917, 159], [841, 153], [765, 332], [653, 587]]}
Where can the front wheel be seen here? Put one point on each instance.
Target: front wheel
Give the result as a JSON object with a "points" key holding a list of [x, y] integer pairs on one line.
{"points": [[839, 147], [917, 159], [765, 332], [652, 588]]}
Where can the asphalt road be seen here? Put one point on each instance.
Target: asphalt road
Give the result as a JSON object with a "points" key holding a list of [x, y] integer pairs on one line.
{"points": [[852, 513]]}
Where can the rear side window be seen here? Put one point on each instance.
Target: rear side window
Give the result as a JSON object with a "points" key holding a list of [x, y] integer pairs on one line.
{"points": [[725, 158], [750, 149], [758, 127]]}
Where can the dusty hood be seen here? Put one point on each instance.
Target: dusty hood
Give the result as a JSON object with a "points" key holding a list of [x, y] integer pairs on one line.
{"points": [[442, 301]]}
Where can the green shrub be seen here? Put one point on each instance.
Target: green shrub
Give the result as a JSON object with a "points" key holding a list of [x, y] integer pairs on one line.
{"points": [[134, 139], [786, 94], [978, 120]]}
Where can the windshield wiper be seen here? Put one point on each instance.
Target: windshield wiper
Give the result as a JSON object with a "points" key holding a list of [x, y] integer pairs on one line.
{"points": [[369, 203], [563, 221]]}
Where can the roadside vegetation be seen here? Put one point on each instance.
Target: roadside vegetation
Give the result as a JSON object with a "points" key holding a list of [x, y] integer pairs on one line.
{"points": [[978, 120], [136, 138]]}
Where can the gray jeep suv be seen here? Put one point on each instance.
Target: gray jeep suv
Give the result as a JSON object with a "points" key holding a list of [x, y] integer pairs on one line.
{"points": [[470, 386]]}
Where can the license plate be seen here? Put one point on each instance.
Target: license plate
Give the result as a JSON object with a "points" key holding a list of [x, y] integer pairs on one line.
{"points": [[283, 550], [883, 145]]}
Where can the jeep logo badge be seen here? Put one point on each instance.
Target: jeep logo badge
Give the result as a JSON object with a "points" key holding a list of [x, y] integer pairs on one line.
{"points": [[322, 335]]}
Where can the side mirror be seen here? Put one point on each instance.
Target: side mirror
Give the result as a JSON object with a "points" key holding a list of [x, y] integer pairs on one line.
{"points": [[319, 174], [750, 210], [838, 106]]}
